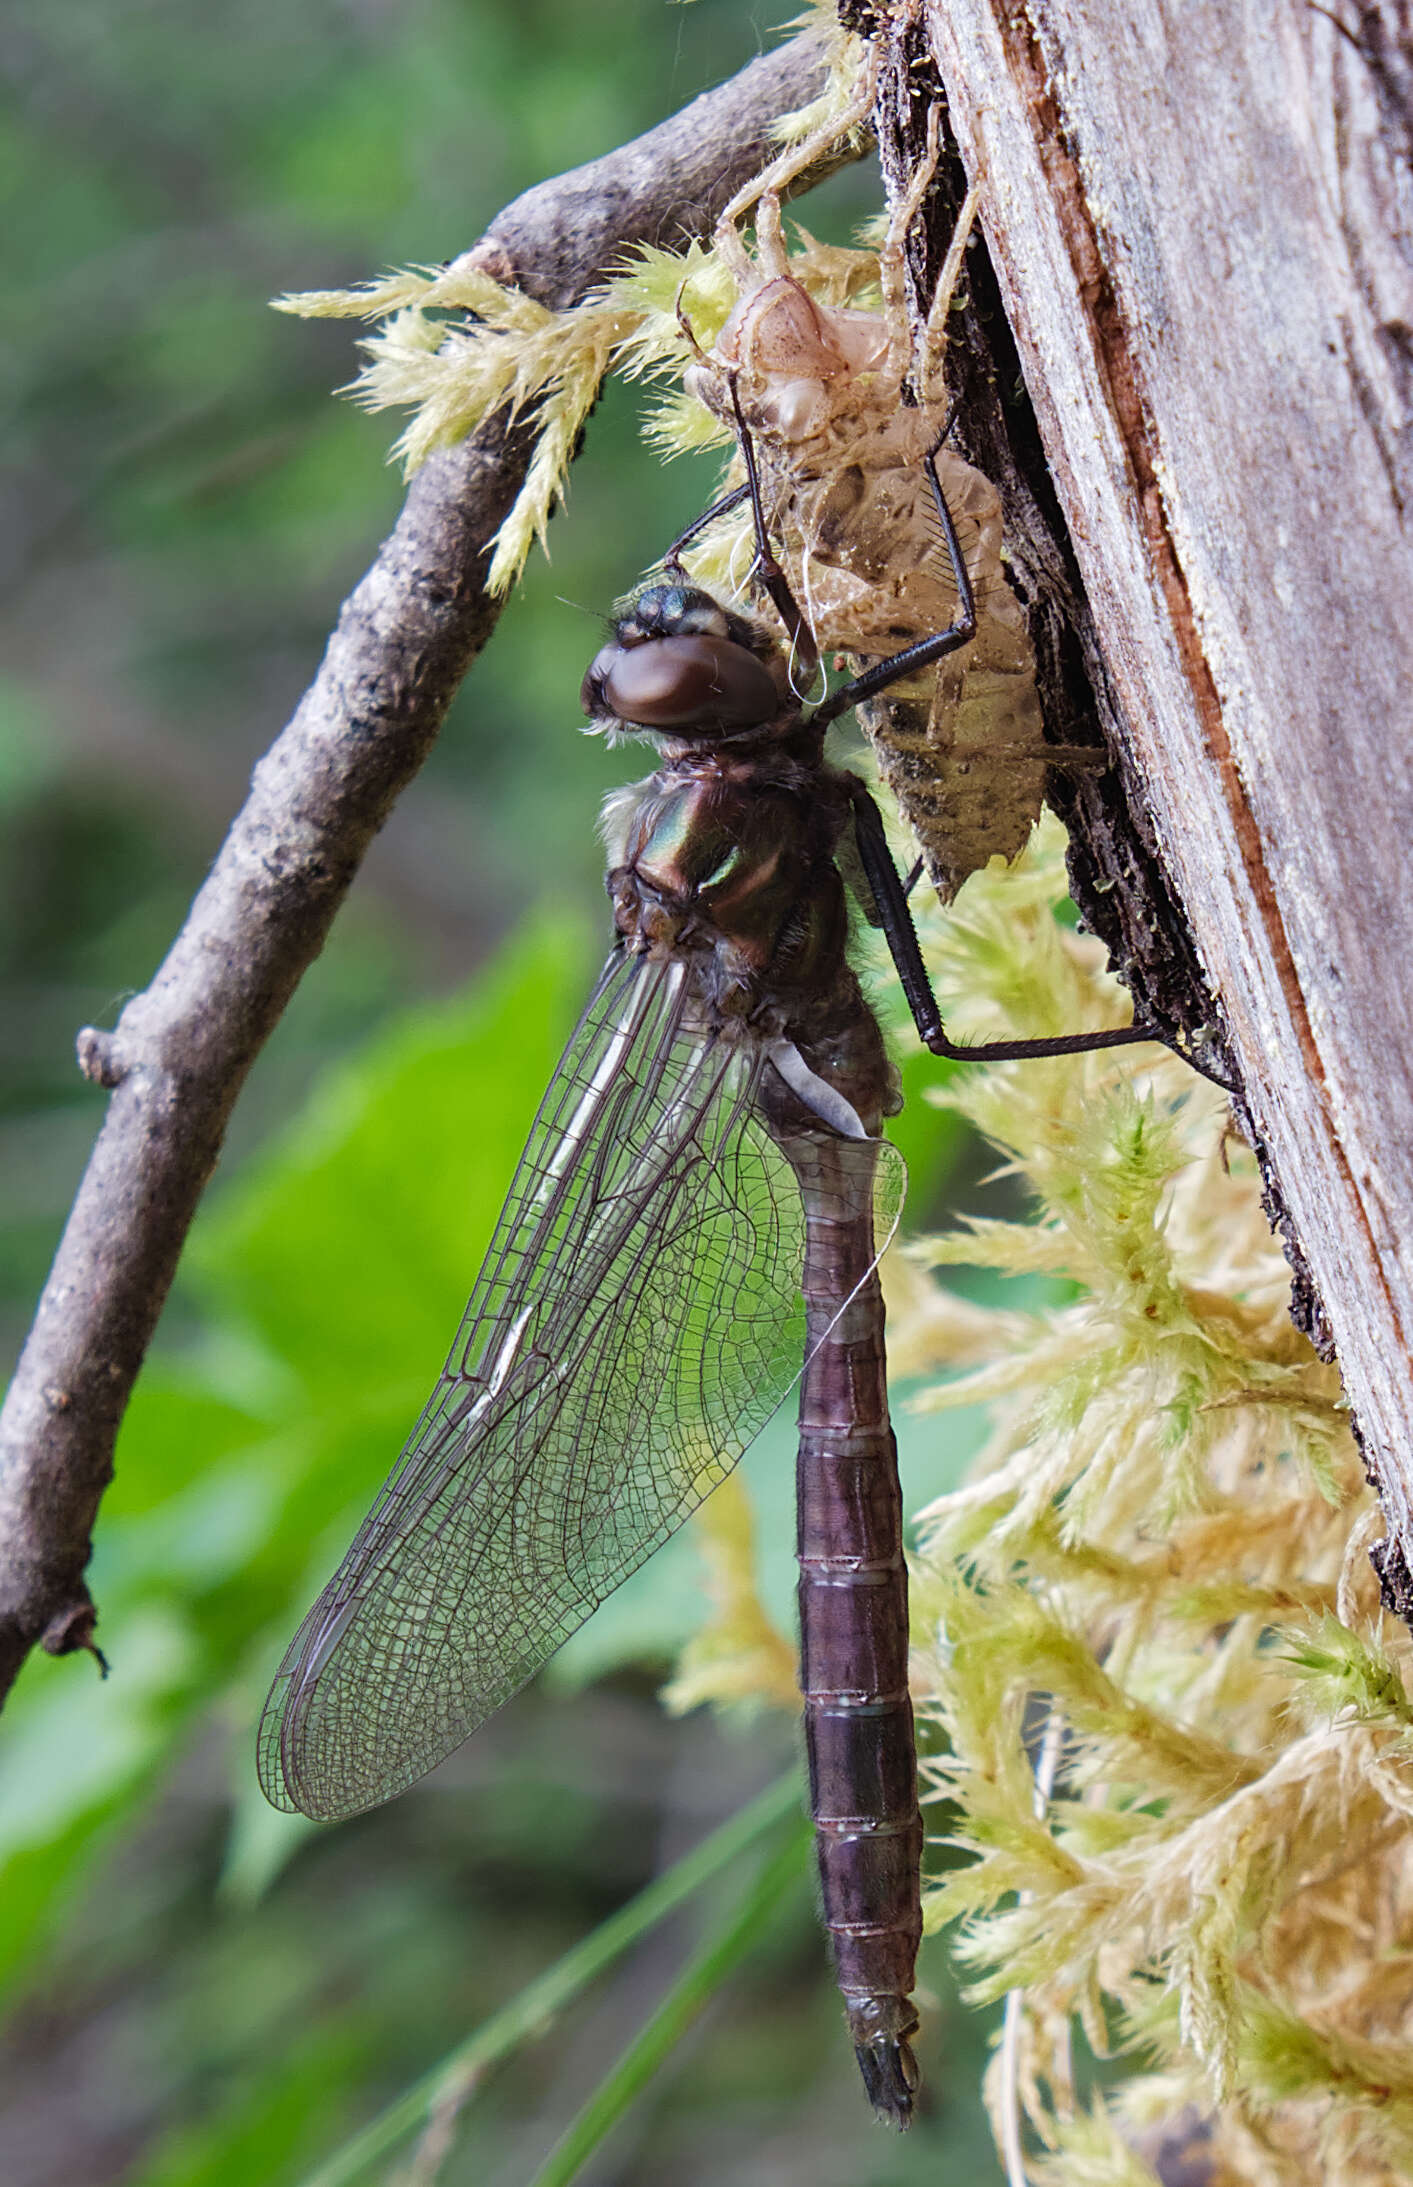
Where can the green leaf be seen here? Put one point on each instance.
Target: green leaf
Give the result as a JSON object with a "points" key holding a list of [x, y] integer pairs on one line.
{"points": [[541, 2001], [332, 1275]]}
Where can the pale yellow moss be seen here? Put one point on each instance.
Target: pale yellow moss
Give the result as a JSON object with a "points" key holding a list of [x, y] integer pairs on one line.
{"points": [[454, 348], [740, 1656], [1164, 1550], [842, 53]]}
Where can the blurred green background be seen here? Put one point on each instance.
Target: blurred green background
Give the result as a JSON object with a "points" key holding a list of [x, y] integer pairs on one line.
{"points": [[197, 1991]]}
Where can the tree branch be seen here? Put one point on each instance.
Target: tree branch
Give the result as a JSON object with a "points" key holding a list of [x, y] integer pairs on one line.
{"points": [[180, 1052]]}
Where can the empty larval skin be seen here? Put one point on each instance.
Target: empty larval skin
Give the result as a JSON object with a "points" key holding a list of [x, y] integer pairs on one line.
{"points": [[836, 400]]}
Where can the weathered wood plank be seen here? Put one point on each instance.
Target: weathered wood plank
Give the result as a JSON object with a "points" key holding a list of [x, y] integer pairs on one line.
{"points": [[1200, 219]]}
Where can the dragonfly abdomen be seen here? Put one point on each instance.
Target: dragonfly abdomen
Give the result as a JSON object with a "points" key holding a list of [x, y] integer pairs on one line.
{"points": [[853, 1595]]}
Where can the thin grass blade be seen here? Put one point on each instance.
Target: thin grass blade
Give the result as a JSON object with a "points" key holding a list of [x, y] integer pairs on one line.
{"points": [[730, 1943], [527, 2016]]}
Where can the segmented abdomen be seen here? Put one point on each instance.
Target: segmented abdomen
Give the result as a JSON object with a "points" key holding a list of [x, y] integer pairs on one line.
{"points": [[853, 1595]]}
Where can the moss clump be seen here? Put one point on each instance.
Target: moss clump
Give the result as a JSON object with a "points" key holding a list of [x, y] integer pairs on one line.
{"points": [[455, 348], [1157, 1588]]}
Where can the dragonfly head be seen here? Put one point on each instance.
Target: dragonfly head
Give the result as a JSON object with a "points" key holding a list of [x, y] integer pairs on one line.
{"points": [[681, 667]]}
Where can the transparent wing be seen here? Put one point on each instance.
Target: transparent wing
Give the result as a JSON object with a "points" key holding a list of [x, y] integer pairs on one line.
{"points": [[637, 1320]]}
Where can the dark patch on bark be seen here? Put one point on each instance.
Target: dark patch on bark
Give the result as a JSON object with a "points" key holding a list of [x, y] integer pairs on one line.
{"points": [[1391, 1565]]}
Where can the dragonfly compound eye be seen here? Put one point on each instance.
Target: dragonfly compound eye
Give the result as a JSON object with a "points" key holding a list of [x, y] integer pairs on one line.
{"points": [[682, 683]]}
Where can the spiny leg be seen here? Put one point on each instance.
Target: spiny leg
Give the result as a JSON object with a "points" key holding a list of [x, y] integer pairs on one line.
{"points": [[927, 371], [890, 896], [922, 363], [892, 258], [891, 903], [771, 255], [766, 568], [672, 560], [735, 495], [927, 650], [793, 162]]}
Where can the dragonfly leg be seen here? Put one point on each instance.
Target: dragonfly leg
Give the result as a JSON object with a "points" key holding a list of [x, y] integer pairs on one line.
{"points": [[770, 238], [891, 901], [892, 258], [790, 164], [927, 371], [766, 569], [925, 651], [672, 560]]}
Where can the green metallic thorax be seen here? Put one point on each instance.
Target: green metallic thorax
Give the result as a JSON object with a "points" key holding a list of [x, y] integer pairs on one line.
{"points": [[730, 855], [712, 853]]}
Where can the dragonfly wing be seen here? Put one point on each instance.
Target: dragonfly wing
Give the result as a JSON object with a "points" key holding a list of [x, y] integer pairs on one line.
{"points": [[637, 1320]]}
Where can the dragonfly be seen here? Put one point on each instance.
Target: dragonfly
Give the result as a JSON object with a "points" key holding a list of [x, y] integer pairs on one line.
{"points": [[694, 1226]]}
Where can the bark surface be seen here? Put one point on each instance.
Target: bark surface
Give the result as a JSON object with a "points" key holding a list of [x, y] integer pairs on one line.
{"points": [[1200, 228]]}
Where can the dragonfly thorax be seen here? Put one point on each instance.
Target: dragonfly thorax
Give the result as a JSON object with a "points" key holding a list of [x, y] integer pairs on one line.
{"points": [[724, 859], [734, 858], [728, 861]]}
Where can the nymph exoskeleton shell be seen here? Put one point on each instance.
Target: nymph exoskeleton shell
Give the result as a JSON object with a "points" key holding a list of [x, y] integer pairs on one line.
{"points": [[827, 393]]}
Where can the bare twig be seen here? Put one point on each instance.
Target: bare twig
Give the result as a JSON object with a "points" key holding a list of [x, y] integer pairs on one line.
{"points": [[180, 1052]]}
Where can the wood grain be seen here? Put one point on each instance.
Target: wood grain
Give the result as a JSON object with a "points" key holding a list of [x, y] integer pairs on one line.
{"points": [[1200, 221]]}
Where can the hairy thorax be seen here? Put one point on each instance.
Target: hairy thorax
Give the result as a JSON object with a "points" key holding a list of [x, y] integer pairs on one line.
{"points": [[729, 864]]}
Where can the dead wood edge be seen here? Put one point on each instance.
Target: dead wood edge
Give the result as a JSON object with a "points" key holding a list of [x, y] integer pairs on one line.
{"points": [[1118, 879]]}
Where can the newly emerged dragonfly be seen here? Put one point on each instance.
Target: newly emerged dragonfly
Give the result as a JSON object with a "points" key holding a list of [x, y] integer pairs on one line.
{"points": [[695, 1224]]}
